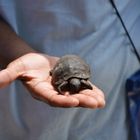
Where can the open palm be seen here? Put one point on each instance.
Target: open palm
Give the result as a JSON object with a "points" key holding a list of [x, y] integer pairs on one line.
{"points": [[34, 71]]}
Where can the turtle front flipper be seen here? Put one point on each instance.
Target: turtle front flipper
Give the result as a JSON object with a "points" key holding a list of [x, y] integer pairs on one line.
{"points": [[85, 84], [62, 87]]}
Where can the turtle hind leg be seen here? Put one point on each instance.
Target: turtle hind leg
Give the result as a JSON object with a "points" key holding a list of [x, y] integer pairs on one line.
{"points": [[85, 84]]}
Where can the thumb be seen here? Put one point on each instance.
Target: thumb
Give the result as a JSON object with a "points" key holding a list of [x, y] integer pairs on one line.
{"points": [[9, 74]]}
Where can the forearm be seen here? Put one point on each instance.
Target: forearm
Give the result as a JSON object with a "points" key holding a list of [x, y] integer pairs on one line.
{"points": [[11, 45]]}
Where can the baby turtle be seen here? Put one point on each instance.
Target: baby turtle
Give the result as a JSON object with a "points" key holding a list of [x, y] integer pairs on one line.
{"points": [[71, 74]]}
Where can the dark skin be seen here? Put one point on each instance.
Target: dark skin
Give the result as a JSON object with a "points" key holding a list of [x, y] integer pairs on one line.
{"points": [[31, 67]]}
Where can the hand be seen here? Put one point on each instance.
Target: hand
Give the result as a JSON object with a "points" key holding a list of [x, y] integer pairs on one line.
{"points": [[34, 71]]}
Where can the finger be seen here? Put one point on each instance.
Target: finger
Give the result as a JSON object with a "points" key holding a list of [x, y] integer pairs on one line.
{"points": [[63, 101], [98, 91], [7, 76], [12, 72], [91, 98], [86, 101], [46, 93], [99, 98]]}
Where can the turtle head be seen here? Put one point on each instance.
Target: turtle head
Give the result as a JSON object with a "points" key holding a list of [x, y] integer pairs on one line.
{"points": [[74, 85]]}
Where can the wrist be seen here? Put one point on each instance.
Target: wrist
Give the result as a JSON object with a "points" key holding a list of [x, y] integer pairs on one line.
{"points": [[11, 45]]}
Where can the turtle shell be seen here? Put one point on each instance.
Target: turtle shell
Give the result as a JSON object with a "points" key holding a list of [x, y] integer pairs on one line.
{"points": [[69, 66]]}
